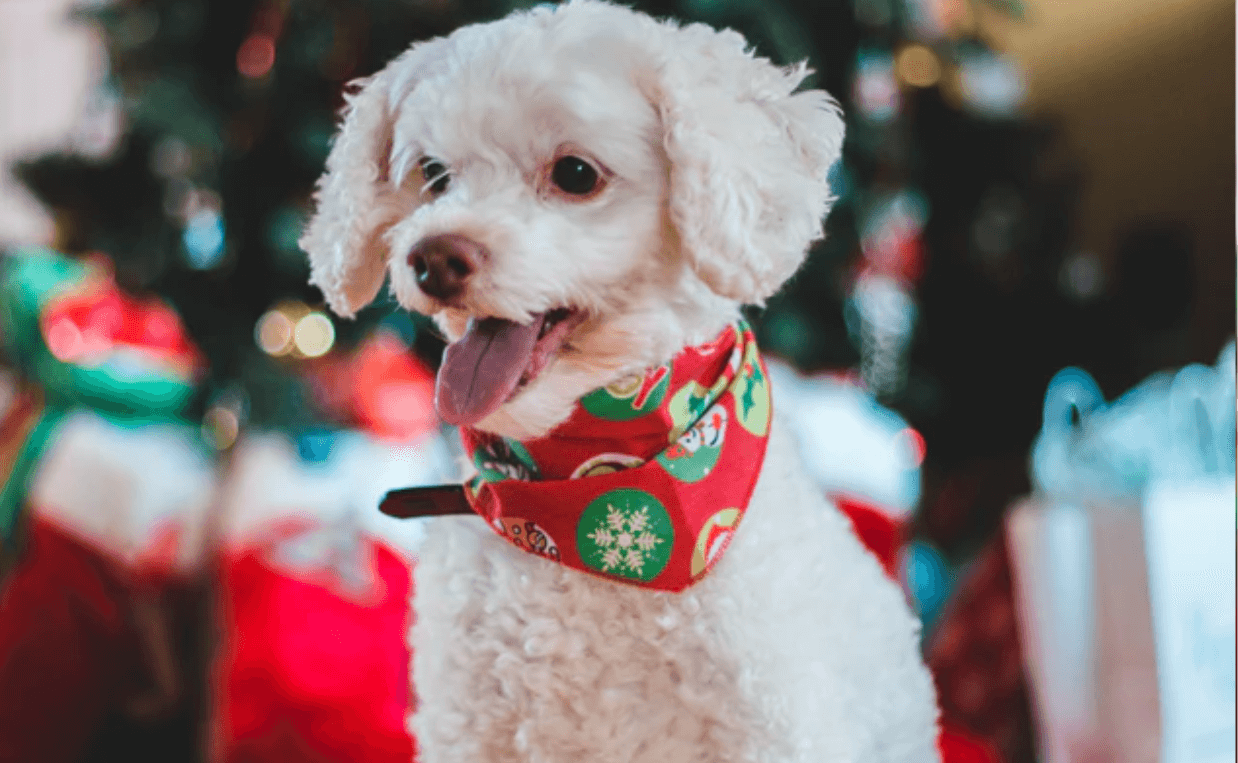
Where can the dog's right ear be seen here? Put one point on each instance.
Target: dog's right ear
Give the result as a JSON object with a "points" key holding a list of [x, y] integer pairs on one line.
{"points": [[343, 239]]}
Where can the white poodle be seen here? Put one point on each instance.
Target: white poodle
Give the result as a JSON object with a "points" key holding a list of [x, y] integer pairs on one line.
{"points": [[576, 194]]}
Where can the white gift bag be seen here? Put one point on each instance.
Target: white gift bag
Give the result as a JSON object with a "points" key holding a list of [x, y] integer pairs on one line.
{"points": [[1189, 532], [1124, 569]]}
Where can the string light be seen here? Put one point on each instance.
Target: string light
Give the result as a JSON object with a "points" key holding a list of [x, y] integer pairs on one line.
{"points": [[1081, 276], [314, 335], [273, 333], [204, 239], [220, 427], [875, 88], [292, 328], [918, 66], [991, 85], [226, 414], [256, 55]]}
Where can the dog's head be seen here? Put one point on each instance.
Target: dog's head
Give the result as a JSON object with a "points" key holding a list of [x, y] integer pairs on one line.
{"points": [[574, 194]]}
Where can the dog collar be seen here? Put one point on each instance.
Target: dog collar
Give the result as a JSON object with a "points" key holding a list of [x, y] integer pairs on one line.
{"points": [[647, 480]]}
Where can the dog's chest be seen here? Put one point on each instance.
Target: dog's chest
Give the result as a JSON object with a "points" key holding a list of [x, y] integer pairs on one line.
{"points": [[519, 658], [795, 647]]}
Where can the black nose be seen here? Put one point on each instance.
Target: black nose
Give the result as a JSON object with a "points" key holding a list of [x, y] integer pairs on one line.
{"points": [[444, 263]]}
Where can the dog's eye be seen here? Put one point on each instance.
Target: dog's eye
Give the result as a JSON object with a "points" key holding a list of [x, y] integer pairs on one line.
{"points": [[435, 174], [575, 176]]}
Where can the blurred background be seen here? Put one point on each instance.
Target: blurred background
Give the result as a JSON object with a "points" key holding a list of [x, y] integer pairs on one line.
{"points": [[1007, 362]]}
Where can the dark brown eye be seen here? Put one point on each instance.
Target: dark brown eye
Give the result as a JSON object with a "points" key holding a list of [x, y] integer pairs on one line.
{"points": [[574, 176], [435, 174]]}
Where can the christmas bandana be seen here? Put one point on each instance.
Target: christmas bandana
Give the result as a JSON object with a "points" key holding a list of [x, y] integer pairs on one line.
{"points": [[647, 480]]}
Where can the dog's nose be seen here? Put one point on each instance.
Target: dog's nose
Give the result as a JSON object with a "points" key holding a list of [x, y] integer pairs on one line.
{"points": [[444, 263]]}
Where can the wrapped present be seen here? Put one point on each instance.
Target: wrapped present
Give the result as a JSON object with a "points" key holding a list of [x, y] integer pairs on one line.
{"points": [[314, 597], [976, 657], [114, 492], [76, 341], [94, 610], [68, 326], [313, 663]]}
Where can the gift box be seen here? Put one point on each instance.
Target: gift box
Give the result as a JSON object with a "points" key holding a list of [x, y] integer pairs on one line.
{"points": [[100, 613], [100, 597], [313, 598]]}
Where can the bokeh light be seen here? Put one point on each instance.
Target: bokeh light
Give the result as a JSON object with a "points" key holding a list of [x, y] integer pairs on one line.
{"points": [[875, 88], [274, 333], [1082, 276], [918, 66], [991, 85], [256, 55], [204, 239], [314, 335], [220, 427]]}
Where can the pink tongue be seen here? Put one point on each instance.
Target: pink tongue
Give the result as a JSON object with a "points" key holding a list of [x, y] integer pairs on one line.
{"points": [[482, 368]]}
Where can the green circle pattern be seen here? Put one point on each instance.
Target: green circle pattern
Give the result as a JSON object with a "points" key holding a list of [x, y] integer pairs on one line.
{"points": [[688, 465], [604, 404], [751, 392], [627, 533]]}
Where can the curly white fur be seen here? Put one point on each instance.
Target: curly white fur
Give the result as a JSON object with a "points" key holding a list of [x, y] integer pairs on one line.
{"points": [[795, 647]]}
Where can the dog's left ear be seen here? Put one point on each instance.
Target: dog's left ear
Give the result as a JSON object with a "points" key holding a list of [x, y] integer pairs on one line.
{"points": [[748, 156]]}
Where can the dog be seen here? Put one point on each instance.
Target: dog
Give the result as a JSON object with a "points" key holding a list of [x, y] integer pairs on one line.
{"points": [[578, 194]]}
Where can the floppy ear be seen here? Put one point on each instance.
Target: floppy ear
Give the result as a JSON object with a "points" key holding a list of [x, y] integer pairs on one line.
{"points": [[344, 237], [748, 160]]}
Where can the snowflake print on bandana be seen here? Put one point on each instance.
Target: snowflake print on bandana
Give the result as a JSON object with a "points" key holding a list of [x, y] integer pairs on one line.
{"points": [[626, 532]]}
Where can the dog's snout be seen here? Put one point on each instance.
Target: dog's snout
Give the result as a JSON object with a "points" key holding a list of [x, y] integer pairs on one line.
{"points": [[443, 264]]}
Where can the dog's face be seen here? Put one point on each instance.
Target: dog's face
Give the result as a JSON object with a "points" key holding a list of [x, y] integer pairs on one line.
{"points": [[574, 194]]}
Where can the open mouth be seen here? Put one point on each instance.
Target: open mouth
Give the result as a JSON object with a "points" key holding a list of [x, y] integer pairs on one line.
{"points": [[494, 359]]}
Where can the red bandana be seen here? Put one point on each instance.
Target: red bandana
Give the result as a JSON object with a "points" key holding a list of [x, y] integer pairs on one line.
{"points": [[647, 480]]}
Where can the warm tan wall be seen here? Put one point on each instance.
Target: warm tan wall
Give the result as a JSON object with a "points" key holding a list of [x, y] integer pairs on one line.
{"points": [[1144, 90]]}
